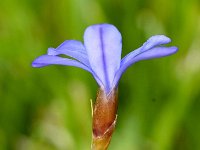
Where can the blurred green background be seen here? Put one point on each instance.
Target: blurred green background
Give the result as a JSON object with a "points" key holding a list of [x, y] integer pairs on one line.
{"points": [[49, 108]]}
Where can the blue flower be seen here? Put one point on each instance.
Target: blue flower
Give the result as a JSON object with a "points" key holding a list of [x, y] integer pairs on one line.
{"points": [[101, 54]]}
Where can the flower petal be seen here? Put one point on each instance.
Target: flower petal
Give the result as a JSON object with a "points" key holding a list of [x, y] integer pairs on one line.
{"points": [[103, 45], [155, 41], [72, 48], [46, 60], [151, 49]]}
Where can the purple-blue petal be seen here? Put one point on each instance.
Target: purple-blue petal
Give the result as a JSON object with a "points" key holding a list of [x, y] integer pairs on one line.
{"points": [[103, 45], [46, 60], [155, 41], [72, 45], [151, 49], [52, 51], [71, 48]]}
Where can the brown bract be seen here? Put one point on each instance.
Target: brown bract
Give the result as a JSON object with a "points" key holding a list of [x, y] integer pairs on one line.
{"points": [[104, 119]]}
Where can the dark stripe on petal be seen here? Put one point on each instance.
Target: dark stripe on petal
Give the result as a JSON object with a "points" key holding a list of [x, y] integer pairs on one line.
{"points": [[104, 58]]}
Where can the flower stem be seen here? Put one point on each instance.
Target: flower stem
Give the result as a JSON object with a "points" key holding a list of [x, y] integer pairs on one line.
{"points": [[104, 119]]}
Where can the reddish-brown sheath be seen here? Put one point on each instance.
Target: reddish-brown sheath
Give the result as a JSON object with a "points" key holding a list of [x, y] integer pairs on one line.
{"points": [[104, 119]]}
